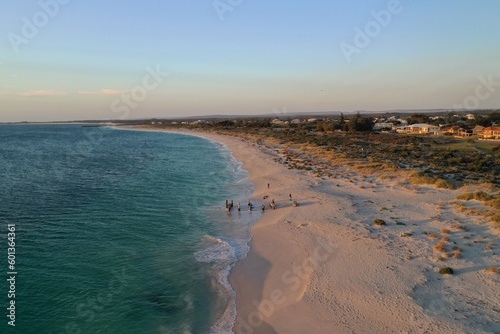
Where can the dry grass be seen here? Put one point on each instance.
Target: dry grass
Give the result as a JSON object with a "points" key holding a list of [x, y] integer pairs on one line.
{"points": [[494, 203], [459, 227], [445, 239], [440, 248], [419, 178], [457, 252], [490, 246], [492, 271], [491, 200], [478, 196], [433, 236], [445, 231]]}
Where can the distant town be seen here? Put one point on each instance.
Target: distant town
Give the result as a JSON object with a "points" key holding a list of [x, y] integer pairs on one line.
{"points": [[482, 126]]}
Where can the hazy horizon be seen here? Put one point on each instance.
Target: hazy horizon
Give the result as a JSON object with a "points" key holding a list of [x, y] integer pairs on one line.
{"points": [[62, 60]]}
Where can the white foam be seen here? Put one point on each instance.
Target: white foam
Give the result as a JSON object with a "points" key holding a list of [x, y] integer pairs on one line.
{"points": [[223, 257]]}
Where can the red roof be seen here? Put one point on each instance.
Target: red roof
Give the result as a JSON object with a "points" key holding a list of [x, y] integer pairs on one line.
{"points": [[491, 128]]}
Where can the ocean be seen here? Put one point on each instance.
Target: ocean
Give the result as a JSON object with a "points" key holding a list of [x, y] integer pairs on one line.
{"points": [[119, 231]]}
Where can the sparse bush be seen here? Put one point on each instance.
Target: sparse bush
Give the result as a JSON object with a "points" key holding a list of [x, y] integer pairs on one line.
{"points": [[440, 248], [495, 203], [443, 184], [459, 227], [492, 271], [379, 222], [420, 178], [478, 196], [446, 271], [495, 217]]}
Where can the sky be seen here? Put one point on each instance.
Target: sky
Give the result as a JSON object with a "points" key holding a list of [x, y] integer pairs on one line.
{"points": [[130, 59]]}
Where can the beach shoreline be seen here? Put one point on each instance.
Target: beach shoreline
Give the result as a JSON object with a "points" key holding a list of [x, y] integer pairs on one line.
{"points": [[324, 267]]}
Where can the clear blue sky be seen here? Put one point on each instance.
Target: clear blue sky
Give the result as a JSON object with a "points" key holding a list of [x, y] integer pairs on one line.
{"points": [[86, 60]]}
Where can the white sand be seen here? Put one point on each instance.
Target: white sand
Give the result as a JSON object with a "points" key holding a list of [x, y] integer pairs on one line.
{"points": [[323, 267]]}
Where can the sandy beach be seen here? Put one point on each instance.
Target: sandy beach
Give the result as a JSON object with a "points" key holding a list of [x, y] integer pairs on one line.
{"points": [[326, 267]]}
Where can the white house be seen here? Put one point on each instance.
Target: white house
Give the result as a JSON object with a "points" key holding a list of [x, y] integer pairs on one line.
{"points": [[380, 126], [423, 128]]}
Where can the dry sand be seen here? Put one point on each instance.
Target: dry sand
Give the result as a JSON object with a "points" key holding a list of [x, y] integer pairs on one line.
{"points": [[324, 267]]}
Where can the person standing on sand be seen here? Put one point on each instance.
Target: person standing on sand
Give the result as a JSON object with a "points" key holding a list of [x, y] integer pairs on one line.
{"points": [[268, 186], [263, 207], [290, 195], [239, 206]]}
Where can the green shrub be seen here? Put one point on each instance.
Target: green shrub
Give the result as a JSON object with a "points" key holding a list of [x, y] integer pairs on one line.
{"points": [[446, 271]]}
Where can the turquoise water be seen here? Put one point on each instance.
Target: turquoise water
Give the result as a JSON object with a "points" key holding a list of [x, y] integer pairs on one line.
{"points": [[120, 231]]}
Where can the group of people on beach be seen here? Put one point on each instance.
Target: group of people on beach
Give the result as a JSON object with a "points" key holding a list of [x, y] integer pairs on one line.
{"points": [[272, 204]]}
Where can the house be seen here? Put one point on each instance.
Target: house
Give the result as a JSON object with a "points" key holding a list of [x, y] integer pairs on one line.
{"points": [[424, 129], [450, 130], [311, 120], [477, 129], [470, 116], [380, 126], [465, 132], [296, 121], [277, 121], [490, 132], [401, 129]]}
